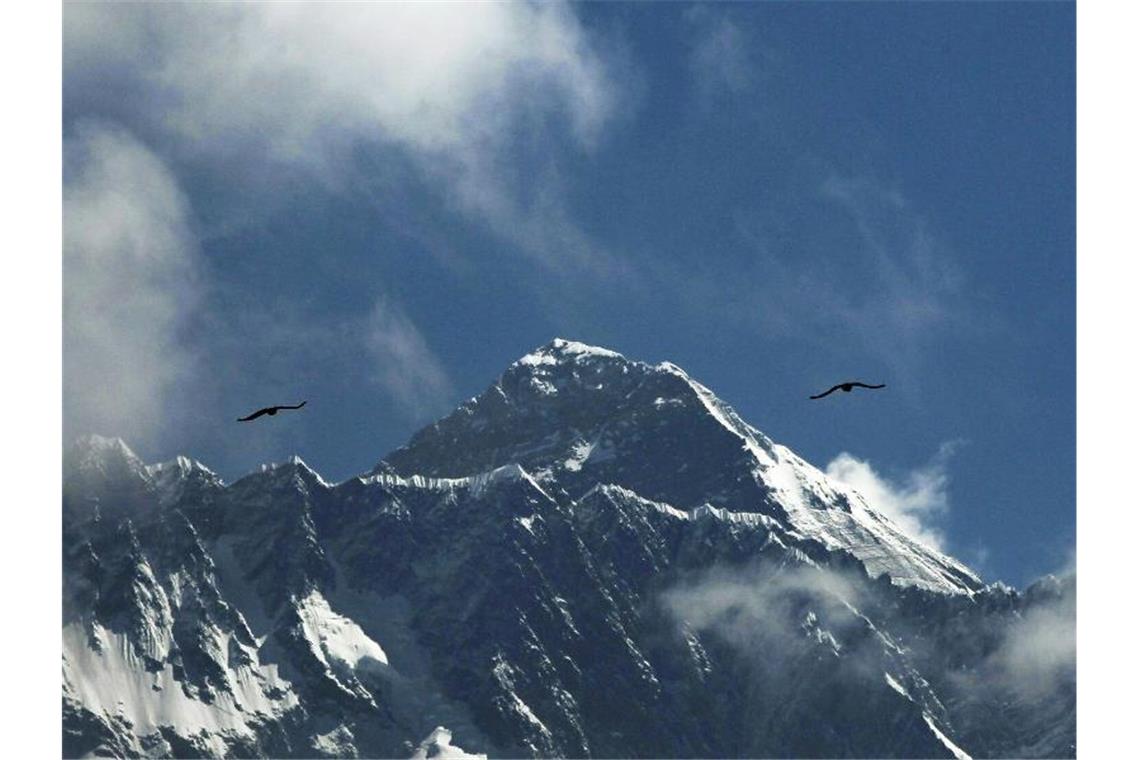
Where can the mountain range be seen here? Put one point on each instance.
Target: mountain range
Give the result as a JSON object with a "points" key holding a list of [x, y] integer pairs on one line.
{"points": [[596, 557]]}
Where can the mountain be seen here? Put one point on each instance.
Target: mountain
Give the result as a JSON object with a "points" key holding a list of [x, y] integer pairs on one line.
{"points": [[594, 557]]}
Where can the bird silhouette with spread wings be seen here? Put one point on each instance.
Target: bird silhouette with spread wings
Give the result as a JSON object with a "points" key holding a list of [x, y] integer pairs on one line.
{"points": [[846, 388], [270, 410]]}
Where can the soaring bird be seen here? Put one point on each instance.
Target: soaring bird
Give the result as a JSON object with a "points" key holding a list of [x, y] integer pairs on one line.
{"points": [[846, 388], [270, 410]]}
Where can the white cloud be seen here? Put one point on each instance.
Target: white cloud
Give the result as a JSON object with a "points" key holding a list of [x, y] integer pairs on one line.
{"points": [[800, 611], [403, 363], [455, 87], [745, 606], [1027, 653], [1040, 649], [130, 283], [863, 273], [433, 76], [1034, 653], [915, 503], [910, 285], [134, 283], [260, 98]]}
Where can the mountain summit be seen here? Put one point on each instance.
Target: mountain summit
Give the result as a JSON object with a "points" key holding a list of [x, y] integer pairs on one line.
{"points": [[594, 557], [579, 415]]}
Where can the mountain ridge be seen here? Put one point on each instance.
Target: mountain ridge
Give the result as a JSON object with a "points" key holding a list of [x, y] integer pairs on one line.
{"points": [[532, 415]]}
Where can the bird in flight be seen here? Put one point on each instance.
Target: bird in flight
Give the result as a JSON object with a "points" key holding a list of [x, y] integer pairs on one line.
{"points": [[846, 388], [270, 410]]}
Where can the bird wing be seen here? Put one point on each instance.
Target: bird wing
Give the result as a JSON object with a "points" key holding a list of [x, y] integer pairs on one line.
{"points": [[298, 406], [864, 385], [253, 416], [830, 390]]}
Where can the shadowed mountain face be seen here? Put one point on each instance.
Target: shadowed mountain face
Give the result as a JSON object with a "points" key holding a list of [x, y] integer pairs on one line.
{"points": [[595, 557]]}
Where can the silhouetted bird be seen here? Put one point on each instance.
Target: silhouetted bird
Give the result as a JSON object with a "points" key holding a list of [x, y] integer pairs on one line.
{"points": [[846, 387], [270, 410]]}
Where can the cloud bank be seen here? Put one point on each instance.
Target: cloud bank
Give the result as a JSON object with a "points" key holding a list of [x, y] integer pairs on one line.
{"points": [[1040, 649], [462, 91], [130, 285], [259, 99]]}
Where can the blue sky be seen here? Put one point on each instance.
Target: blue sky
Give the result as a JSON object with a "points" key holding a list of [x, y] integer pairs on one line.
{"points": [[378, 208]]}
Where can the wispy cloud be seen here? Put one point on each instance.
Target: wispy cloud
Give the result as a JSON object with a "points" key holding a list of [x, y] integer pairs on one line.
{"points": [[916, 503], [846, 262], [1022, 660], [403, 363], [754, 606], [286, 349], [285, 353], [130, 280], [473, 95], [911, 288], [827, 624], [1036, 653], [809, 616], [1040, 649]]}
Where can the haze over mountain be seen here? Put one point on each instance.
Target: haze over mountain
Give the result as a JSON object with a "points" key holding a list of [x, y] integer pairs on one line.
{"points": [[594, 557]]}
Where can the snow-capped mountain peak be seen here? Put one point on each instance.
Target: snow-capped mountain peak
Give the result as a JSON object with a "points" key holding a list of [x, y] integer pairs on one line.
{"points": [[582, 415], [96, 455], [182, 465], [561, 350], [293, 467]]}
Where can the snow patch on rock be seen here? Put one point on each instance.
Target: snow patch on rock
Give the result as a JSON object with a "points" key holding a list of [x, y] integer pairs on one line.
{"points": [[438, 745], [335, 638]]}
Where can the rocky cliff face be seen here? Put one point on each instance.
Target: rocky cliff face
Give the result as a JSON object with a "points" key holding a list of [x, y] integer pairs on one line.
{"points": [[595, 557]]}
